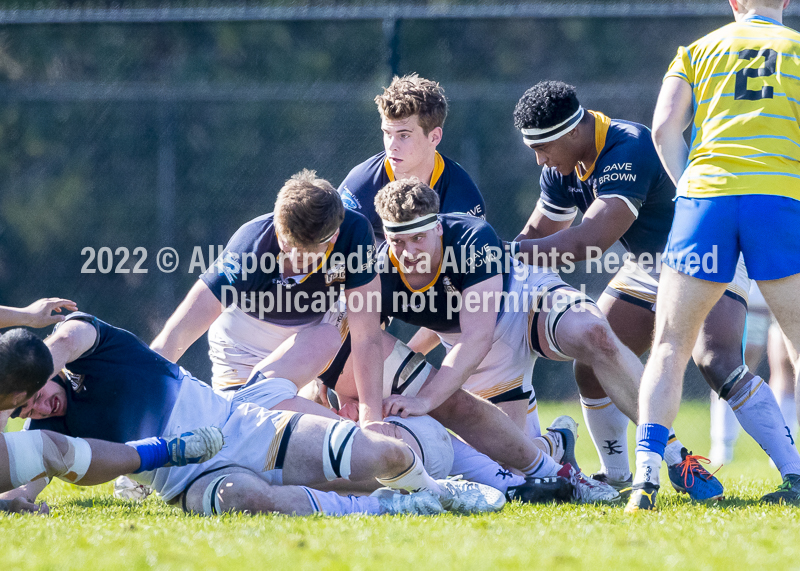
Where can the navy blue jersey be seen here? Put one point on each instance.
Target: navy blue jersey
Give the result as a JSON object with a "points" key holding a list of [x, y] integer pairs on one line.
{"points": [[248, 273], [628, 167], [472, 253], [457, 192], [120, 389]]}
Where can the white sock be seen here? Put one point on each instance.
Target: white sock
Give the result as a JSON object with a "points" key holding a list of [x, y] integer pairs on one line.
{"points": [[532, 425], [477, 467], [542, 467], [331, 503], [648, 465], [724, 425], [789, 411], [672, 453], [413, 479], [552, 443], [758, 412], [608, 429]]}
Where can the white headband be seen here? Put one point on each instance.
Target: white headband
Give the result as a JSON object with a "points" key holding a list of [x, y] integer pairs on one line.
{"points": [[538, 136], [419, 224]]}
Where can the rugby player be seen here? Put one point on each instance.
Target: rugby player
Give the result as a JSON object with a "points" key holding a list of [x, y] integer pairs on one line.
{"points": [[115, 388], [279, 279], [738, 89], [609, 170], [25, 366], [412, 111]]}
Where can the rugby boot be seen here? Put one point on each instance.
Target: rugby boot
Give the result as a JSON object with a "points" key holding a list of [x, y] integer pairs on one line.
{"points": [[419, 503], [689, 477], [194, 447], [568, 429], [643, 498], [542, 491], [464, 497], [622, 486], [587, 490], [787, 493]]}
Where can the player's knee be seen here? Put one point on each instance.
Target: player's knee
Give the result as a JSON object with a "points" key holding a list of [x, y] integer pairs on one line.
{"points": [[717, 365], [237, 493], [598, 342], [43, 454]]}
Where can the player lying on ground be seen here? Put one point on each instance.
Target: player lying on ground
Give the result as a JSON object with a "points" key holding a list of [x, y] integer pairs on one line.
{"points": [[115, 388], [609, 169], [737, 87], [412, 111], [25, 366]]}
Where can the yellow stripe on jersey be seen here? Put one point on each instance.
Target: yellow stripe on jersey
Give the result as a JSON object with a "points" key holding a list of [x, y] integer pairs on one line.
{"points": [[745, 80], [438, 169], [501, 388]]}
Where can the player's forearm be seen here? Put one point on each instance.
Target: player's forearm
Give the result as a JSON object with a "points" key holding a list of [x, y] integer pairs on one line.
{"points": [[559, 249], [424, 341], [672, 150], [13, 317], [368, 372], [460, 363]]}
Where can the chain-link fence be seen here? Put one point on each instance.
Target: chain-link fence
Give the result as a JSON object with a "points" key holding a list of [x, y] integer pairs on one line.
{"points": [[151, 127]]}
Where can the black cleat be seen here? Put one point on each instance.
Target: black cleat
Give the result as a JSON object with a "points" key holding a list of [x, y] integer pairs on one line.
{"points": [[787, 493], [643, 498], [541, 491]]}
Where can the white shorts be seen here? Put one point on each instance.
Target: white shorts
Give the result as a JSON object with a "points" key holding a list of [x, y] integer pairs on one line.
{"points": [[238, 342], [255, 438], [505, 373], [636, 286]]}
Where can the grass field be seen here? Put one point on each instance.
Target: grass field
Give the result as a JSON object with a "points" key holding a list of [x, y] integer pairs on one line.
{"points": [[88, 529]]}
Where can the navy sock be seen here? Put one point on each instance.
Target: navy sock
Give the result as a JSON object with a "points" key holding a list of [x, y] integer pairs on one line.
{"points": [[152, 451]]}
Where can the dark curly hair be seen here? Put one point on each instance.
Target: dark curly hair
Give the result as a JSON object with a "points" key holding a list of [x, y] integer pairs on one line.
{"points": [[545, 104]]}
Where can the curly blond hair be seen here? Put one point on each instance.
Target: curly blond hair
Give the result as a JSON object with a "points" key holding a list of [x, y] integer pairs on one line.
{"points": [[413, 95], [308, 209], [404, 200]]}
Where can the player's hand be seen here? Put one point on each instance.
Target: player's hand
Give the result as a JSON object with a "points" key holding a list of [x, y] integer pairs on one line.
{"points": [[385, 428], [349, 411], [40, 313], [398, 405], [24, 505]]}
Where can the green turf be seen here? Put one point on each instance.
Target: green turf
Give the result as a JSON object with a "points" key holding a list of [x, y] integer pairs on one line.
{"points": [[90, 530]]}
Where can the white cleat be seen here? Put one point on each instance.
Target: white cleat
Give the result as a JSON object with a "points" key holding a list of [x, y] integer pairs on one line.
{"points": [[195, 446], [588, 490], [127, 489], [418, 503], [464, 497]]}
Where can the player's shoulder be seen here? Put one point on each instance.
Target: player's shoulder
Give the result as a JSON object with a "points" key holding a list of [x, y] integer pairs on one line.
{"points": [[363, 173], [463, 228], [354, 222], [456, 173], [628, 137]]}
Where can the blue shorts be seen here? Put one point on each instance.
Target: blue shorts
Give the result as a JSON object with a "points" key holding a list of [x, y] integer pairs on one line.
{"points": [[708, 234]]}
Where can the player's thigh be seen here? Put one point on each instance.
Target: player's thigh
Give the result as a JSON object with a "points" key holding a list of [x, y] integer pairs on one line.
{"points": [[783, 298], [565, 317]]}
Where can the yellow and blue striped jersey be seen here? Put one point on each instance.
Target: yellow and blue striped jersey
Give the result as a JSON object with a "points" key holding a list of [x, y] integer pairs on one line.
{"points": [[745, 79]]}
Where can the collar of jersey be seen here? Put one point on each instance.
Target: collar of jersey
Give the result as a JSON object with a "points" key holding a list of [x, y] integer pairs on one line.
{"points": [[758, 18], [397, 265], [321, 263], [438, 169], [601, 125]]}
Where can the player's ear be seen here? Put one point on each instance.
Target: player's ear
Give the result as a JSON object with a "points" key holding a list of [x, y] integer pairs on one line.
{"points": [[435, 136]]}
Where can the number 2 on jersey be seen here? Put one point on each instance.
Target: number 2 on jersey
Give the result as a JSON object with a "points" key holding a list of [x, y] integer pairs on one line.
{"points": [[769, 68]]}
